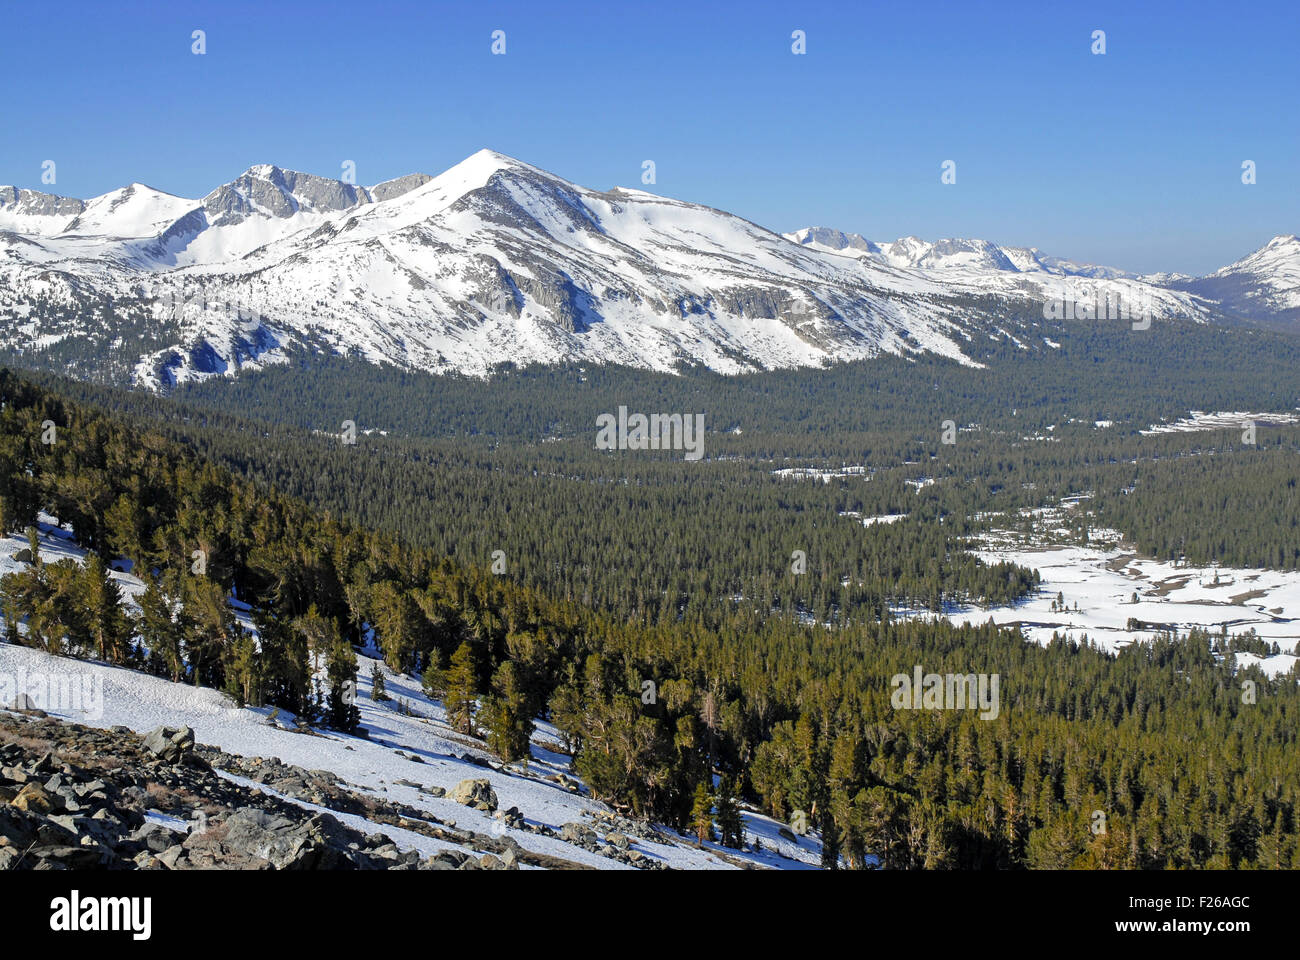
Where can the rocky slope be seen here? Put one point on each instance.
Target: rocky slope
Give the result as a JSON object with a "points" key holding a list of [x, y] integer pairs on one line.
{"points": [[76, 797]]}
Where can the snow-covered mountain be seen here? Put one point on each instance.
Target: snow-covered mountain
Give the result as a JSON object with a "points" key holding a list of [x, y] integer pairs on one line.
{"points": [[495, 260], [946, 255], [1264, 286]]}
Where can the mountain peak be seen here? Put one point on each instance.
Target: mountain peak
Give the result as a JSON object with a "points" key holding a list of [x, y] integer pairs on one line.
{"points": [[497, 259], [496, 156], [481, 165], [272, 191], [831, 238]]}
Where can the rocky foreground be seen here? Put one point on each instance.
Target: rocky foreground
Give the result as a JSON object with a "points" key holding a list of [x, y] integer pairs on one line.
{"points": [[76, 797]]}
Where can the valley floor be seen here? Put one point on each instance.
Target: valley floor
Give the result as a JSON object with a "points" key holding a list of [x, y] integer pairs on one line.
{"points": [[1098, 586]]}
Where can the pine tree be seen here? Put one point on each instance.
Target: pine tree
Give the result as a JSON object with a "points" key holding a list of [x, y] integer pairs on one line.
{"points": [[830, 852], [566, 712], [842, 780], [210, 630], [377, 688], [434, 679], [110, 630], [124, 526], [285, 663], [505, 716], [462, 690], [34, 545], [702, 814], [1057, 844], [731, 825], [397, 625], [160, 632], [244, 671], [343, 712], [320, 633]]}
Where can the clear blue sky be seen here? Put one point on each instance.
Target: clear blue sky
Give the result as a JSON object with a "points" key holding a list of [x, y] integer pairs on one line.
{"points": [[1132, 158]]}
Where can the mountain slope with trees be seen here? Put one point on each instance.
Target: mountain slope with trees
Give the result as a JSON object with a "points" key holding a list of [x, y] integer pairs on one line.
{"points": [[1186, 771]]}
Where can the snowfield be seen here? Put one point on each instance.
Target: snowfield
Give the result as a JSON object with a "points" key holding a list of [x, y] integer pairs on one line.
{"points": [[1200, 421], [1102, 583]]}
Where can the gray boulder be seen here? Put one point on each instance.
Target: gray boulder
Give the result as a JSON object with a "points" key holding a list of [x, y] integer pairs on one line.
{"points": [[578, 833], [476, 793], [253, 838], [170, 745]]}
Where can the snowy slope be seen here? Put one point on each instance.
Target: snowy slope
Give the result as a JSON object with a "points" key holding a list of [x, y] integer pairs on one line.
{"points": [[1262, 286], [369, 765]]}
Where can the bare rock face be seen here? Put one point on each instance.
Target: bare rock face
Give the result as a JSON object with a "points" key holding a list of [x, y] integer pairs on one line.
{"points": [[278, 193], [396, 188], [33, 203]]}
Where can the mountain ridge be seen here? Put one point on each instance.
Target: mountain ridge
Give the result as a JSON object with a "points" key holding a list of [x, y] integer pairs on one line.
{"points": [[496, 259]]}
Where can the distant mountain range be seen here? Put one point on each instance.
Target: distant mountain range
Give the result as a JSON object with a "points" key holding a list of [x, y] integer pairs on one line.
{"points": [[496, 260], [1263, 287]]}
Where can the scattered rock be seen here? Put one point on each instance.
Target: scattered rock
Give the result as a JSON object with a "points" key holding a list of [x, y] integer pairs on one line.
{"points": [[171, 857], [577, 833], [98, 812], [170, 745], [511, 817], [36, 799], [476, 793]]}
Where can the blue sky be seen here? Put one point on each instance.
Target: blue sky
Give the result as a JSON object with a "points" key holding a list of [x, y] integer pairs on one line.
{"points": [[1132, 158]]}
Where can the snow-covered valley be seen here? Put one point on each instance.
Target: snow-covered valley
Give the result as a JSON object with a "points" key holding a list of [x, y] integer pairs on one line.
{"points": [[1089, 592], [1104, 593]]}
